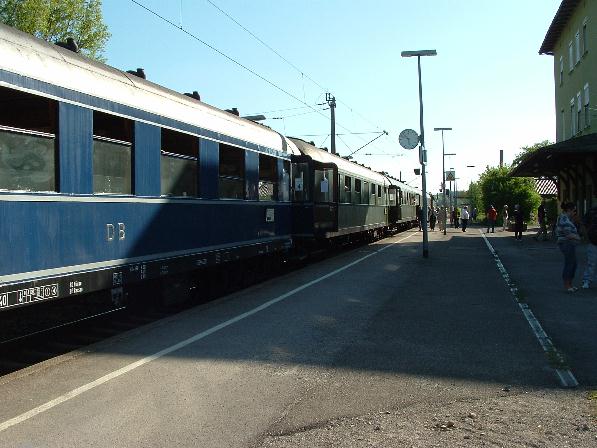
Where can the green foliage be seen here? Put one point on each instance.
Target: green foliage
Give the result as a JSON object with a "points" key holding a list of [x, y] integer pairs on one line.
{"points": [[55, 20], [476, 196], [498, 189], [527, 150]]}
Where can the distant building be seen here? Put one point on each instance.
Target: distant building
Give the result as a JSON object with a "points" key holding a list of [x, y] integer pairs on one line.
{"points": [[571, 163]]}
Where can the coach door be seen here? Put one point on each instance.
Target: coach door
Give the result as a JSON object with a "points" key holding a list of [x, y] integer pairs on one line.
{"points": [[325, 197], [394, 204]]}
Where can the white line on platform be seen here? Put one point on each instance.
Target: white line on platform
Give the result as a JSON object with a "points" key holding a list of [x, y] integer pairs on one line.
{"points": [[115, 374], [565, 376]]}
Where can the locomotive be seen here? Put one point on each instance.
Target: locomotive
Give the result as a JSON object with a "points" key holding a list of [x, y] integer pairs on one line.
{"points": [[109, 181]]}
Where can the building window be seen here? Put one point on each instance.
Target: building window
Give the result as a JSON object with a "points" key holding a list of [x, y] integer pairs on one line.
{"points": [[570, 56], [27, 142], [231, 172], [178, 164], [572, 117], [268, 178], [587, 107], [585, 37], [578, 112], [563, 124], [112, 154], [561, 70], [577, 41]]}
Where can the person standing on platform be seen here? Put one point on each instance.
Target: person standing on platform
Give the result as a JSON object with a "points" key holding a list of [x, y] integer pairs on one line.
{"points": [[419, 216], [457, 221], [505, 218], [542, 218], [432, 219], [568, 239], [518, 222], [442, 218], [590, 224], [474, 215], [464, 216], [491, 218]]}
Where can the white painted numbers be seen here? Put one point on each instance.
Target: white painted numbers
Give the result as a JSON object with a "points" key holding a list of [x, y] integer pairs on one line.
{"points": [[28, 295]]}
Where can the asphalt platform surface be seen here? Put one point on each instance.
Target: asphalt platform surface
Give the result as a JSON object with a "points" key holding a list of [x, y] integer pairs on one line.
{"points": [[377, 346]]}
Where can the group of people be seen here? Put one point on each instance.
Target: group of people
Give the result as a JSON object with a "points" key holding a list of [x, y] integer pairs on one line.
{"points": [[435, 215], [517, 215], [459, 217], [568, 233]]}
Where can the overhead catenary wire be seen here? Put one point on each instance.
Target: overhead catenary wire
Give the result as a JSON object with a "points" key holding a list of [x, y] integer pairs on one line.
{"points": [[231, 59], [241, 65], [295, 67]]}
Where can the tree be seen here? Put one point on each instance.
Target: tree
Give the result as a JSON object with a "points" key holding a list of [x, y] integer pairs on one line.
{"points": [[498, 188], [55, 20], [476, 196]]}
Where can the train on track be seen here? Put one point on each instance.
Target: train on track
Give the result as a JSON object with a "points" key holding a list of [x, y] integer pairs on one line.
{"points": [[109, 181]]}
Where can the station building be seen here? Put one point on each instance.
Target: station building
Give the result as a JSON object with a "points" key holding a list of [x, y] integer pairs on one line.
{"points": [[570, 164]]}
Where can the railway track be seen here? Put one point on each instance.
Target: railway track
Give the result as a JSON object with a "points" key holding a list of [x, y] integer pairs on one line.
{"points": [[34, 334]]}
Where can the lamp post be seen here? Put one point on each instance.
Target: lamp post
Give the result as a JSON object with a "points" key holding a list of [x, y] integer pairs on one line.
{"points": [[451, 195], [422, 151], [444, 171]]}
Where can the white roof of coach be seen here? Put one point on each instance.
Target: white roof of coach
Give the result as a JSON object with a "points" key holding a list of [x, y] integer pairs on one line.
{"points": [[321, 155], [23, 54]]}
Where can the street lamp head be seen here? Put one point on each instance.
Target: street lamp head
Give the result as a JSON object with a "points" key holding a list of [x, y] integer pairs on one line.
{"points": [[450, 154], [442, 129], [409, 54]]}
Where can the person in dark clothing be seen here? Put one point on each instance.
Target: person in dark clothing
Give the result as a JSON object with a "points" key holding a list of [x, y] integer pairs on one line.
{"points": [[518, 222], [542, 218], [590, 224], [419, 217], [432, 219]]}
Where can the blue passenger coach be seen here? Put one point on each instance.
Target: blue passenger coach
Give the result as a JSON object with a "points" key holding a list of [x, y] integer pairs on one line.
{"points": [[107, 179]]}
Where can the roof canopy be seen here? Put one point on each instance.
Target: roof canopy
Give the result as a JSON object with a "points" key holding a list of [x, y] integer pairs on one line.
{"points": [[558, 23], [550, 160]]}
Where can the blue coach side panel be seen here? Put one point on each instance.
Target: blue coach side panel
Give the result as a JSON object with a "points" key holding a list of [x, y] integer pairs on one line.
{"points": [[208, 164], [146, 155], [75, 140]]}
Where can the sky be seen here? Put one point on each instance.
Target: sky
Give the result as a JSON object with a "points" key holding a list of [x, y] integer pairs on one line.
{"points": [[280, 58]]}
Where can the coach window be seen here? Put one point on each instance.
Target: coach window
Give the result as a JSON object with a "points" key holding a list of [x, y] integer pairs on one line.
{"points": [[324, 185], [392, 196], [178, 163], [372, 195], [112, 154], [27, 142], [300, 182], [284, 190], [268, 178], [232, 172], [365, 195], [347, 189], [357, 192]]}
